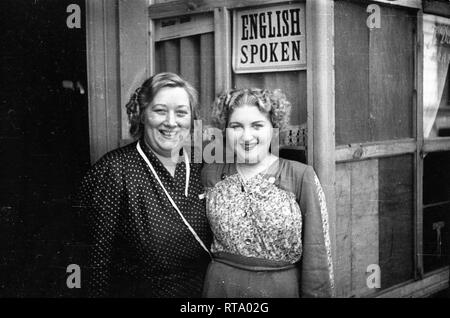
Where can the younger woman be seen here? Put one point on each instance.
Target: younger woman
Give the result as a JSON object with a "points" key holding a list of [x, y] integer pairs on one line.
{"points": [[268, 215]]}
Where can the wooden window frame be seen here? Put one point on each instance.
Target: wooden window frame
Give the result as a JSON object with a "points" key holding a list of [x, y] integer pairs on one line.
{"points": [[136, 50], [418, 176], [428, 145], [180, 7], [222, 37], [429, 284], [416, 4], [437, 8], [356, 152], [423, 284], [102, 74]]}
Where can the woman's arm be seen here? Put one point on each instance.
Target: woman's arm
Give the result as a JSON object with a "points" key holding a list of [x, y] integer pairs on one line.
{"points": [[101, 196], [317, 269]]}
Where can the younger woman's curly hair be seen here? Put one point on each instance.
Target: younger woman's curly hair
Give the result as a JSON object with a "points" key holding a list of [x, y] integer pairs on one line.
{"points": [[144, 95], [271, 102]]}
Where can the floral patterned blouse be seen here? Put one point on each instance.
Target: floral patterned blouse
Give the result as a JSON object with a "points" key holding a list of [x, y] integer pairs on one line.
{"points": [[277, 215]]}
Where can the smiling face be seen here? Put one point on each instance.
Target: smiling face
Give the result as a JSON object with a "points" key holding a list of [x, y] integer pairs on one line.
{"points": [[167, 121], [250, 131]]}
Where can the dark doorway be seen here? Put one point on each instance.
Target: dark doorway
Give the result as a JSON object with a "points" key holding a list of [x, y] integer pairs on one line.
{"points": [[44, 145]]}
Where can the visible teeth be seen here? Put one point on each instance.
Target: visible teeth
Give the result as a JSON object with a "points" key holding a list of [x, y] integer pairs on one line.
{"points": [[168, 133], [248, 147]]}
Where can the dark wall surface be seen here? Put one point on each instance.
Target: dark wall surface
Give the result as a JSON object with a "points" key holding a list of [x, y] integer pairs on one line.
{"points": [[44, 145]]}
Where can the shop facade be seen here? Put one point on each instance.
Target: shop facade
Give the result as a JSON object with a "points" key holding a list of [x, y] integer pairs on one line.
{"points": [[369, 85]]}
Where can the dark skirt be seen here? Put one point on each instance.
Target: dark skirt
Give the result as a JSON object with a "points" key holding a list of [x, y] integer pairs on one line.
{"points": [[234, 276]]}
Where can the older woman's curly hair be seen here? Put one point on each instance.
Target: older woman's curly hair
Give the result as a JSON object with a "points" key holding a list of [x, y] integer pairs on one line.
{"points": [[273, 103], [144, 95]]}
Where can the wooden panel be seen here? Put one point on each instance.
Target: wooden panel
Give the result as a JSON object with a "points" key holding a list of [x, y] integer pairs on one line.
{"points": [[103, 77], [177, 27], [423, 288], [418, 176], [356, 225], [170, 8], [190, 60], [374, 150], [374, 74], [310, 54], [396, 220], [194, 59], [207, 76], [160, 60], [352, 74], [417, 4], [248, 80], [293, 84], [436, 7], [183, 7], [391, 79], [438, 144], [364, 236], [222, 49], [134, 53], [374, 222], [343, 231], [321, 86], [168, 56]]}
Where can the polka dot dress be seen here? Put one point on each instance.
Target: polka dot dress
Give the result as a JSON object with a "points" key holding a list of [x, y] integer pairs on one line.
{"points": [[140, 246]]}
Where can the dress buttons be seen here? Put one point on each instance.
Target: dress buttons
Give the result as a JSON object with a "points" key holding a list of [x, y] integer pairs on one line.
{"points": [[248, 241]]}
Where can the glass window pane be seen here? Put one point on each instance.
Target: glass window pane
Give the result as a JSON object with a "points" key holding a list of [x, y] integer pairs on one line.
{"points": [[436, 212], [436, 236], [396, 219], [436, 97], [436, 178]]}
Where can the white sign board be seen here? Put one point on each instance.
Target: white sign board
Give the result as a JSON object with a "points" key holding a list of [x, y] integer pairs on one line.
{"points": [[269, 39]]}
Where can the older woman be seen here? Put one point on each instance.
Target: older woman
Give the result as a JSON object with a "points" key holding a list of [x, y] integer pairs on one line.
{"points": [[148, 224], [267, 214]]}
